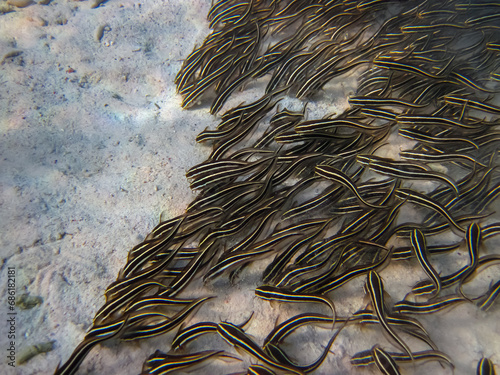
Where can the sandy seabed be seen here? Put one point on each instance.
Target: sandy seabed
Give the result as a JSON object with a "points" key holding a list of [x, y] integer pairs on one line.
{"points": [[94, 148]]}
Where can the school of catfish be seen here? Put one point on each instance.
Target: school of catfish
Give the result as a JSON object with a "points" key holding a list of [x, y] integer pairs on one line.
{"points": [[319, 199]]}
